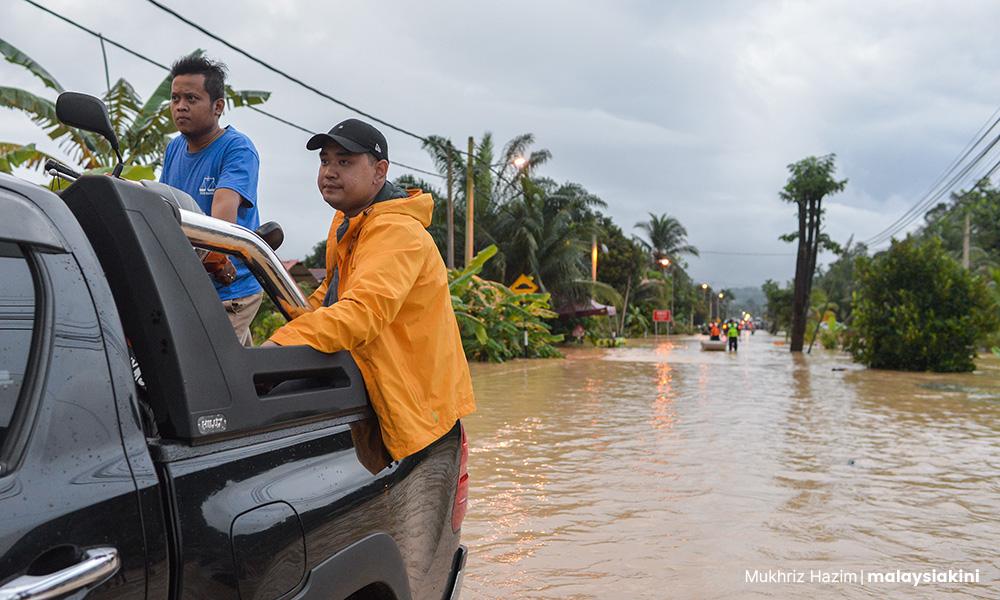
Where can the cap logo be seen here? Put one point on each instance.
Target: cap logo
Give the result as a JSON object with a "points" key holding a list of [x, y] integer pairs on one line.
{"points": [[378, 148], [340, 126]]}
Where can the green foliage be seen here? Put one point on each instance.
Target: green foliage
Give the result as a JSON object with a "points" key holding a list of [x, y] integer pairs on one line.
{"points": [[317, 258], [946, 221], [266, 321], [916, 309], [637, 322], [810, 181], [614, 342], [16, 155], [539, 227], [779, 306], [493, 319], [830, 333], [838, 279], [667, 238]]}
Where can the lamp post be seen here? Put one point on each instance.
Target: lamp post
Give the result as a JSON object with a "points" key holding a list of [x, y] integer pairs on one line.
{"points": [[470, 208], [708, 306], [664, 265], [722, 298]]}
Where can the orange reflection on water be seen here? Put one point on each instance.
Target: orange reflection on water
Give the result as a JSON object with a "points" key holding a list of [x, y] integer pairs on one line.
{"points": [[664, 415]]}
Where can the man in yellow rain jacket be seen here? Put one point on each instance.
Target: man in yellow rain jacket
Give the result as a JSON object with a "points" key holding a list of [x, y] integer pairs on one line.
{"points": [[385, 297]]}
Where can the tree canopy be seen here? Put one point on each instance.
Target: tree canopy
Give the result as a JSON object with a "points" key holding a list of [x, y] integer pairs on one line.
{"points": [[917, 309]]}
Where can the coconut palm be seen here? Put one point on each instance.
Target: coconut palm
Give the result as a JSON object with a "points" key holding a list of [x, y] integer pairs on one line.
{"points": [[143, 128], [496, 184], [667, 238], [539, 227]]}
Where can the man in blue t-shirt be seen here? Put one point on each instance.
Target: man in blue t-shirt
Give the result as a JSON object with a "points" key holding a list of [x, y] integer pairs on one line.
{"points": [[218, 167]]}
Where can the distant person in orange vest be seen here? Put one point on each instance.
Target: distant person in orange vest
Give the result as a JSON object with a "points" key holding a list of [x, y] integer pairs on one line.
{"points": [[714, 332]]}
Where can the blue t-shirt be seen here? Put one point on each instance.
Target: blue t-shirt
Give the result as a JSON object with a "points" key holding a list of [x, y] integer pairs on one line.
{"points": [[229, 162]]}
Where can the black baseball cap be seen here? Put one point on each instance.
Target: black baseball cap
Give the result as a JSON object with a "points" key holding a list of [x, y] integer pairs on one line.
{"points": [[355, 136]]}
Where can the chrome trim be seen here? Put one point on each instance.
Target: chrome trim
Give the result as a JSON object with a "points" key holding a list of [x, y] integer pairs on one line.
{"points": [[459, 573], [222, 236], [97, 566]]}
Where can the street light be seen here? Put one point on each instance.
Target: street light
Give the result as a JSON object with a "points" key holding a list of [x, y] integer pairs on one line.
{"points": [[593, 259], [708, 307], [664, 264], [721, 298], [520, 162]]}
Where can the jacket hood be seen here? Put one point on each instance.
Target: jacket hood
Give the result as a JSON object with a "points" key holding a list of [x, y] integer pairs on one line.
{"points": [[417, 205]]}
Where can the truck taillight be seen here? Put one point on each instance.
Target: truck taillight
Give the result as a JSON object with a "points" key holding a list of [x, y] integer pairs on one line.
{"points": [[462, 491]]}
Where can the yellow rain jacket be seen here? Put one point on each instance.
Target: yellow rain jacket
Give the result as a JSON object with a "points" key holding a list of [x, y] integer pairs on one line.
{"points": [[394, 315]]}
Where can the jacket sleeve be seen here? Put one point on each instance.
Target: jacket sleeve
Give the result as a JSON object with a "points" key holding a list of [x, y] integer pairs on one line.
{"points": [[388, 258], [316, 298]]}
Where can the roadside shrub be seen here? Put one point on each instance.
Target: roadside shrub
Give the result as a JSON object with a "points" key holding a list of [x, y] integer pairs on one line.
{"points": [[266, 321], [493, 319], [917, 309]]}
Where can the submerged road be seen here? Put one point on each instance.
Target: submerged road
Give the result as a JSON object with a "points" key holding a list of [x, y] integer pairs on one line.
{"points": [[660, 471]]}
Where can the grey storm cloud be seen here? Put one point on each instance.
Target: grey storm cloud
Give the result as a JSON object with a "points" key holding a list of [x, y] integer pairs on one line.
{"points": [[694, 109]]}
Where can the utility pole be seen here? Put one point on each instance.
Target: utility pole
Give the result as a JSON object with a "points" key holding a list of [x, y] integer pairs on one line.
{"points": [[451, 212], [965, 241], [470, 208]]}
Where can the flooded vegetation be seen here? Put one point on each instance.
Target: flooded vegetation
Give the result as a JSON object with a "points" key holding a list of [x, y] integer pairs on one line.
{"points": [[660, 471]]}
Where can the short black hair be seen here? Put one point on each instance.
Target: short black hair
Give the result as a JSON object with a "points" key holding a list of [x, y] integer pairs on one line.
{"points": [[214, 72]]}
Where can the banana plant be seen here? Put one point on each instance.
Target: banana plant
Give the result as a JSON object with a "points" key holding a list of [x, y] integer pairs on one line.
{"points": [[494, 321]]}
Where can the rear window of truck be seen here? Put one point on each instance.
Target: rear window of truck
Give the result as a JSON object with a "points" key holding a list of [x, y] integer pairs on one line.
{"points": [[17, 320]]}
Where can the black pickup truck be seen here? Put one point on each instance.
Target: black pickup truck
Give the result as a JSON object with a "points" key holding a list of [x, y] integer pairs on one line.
{"points": [[144, 453]]}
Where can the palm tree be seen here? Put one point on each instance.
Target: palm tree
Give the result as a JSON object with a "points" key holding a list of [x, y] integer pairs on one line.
{"points": [[143, 128], [539, 227], [495, 184], [667, 238]]}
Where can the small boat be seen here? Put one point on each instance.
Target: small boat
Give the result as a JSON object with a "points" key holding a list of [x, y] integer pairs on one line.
{"points": [[716, 345]]}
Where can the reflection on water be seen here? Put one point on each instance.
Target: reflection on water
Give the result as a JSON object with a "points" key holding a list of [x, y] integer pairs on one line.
{"points": [[659, 471]]}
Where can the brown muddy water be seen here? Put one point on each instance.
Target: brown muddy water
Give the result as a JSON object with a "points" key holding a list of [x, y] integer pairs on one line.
{"points": [[660, 471]]}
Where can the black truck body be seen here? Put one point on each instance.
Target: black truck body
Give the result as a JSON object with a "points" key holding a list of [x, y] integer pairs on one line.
{"points": [[226, 472]]}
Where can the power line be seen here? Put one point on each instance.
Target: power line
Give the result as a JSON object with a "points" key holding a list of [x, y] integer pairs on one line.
{"points": [[910, 215], [989, 173], [305, 130], [166, 68], [284, 74], [933, 197], [95, 34], [722, 253], [423, 139]]}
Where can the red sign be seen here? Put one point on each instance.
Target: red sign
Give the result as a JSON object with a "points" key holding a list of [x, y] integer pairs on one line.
{"points": [[662, 316]]}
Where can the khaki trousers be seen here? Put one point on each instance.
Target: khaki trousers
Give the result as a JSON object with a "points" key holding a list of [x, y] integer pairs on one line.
{"points": [[241, 312]]}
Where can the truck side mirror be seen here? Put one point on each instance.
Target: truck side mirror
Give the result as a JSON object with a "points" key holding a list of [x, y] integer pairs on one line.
{"points": [[90, 114], [271, 233]]}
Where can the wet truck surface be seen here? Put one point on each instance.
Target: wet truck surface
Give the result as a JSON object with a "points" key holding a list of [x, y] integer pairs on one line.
{"points": [[144, 453]]}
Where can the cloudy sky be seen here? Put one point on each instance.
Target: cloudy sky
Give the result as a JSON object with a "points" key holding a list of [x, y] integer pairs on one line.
{"points": [[691, 109]]}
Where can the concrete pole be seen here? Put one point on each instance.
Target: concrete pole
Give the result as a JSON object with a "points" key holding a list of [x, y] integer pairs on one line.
{"points": [[451, 211], [965, 241], [470, 208]]}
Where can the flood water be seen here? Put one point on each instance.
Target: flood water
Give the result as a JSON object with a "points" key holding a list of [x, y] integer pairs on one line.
{"points": [[661, 471]]}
